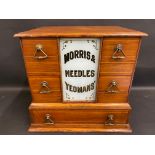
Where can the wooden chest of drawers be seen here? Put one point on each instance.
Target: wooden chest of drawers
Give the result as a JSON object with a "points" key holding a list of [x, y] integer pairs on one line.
{"points": [[108, 110]]}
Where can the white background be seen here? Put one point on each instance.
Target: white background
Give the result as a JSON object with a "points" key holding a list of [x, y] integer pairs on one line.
{"points": [[77, 9], [77, 144]]}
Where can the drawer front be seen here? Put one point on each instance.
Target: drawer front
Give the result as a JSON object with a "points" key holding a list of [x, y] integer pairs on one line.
{"points": [[114, 83], [51, 97], [45, 89], [114, 48], [112, 97], [44, 83], [49, 66], [56, 97], [49, 46], [58, 116], [116, 69]]}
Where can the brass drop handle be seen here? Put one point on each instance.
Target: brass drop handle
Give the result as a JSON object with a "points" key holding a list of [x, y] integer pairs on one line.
{"points": [[109, 120], [45, 89], [48, 119], [39, 49], [113, 87], [118, 53]]}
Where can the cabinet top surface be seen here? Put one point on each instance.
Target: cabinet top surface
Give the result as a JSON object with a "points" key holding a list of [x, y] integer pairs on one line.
{"points": [[79, 31]]}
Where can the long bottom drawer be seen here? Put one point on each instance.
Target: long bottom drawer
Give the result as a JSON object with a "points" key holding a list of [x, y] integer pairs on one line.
{"points": [[53, 117]]}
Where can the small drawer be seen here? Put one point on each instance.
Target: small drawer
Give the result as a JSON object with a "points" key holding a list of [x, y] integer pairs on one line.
{"points": [[48, 66], [79, 116], [103, 97], [51, 97], [43, 84], [120, 49], [45, 89], [116, 69], [114, 84], [40, 47]]}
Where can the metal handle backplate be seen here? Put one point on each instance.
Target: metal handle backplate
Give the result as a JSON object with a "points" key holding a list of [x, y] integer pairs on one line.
{"points": [[118, 53], [113, 87], [109, 120], [48, 119], [39, 53], [45, 89]]}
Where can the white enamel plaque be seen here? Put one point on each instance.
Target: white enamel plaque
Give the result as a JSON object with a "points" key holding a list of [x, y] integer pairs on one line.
{"points": [[79, 68]]}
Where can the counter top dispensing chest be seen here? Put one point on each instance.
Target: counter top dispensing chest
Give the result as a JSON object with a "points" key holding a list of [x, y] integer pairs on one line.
{"points": [[80, 77]]}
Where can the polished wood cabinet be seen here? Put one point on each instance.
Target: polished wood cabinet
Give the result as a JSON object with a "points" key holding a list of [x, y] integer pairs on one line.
{"points": [[80, 77]]}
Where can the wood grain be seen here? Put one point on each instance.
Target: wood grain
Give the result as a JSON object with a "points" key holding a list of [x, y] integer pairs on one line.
{"points": [[52, 97], [116, 69], [35, 83], [80, 128], [80, 31], [50, 46], [79, 116], [55, 96], [40, 66], [112, 97], [123, 83], [130, 48], [79, 106]]}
